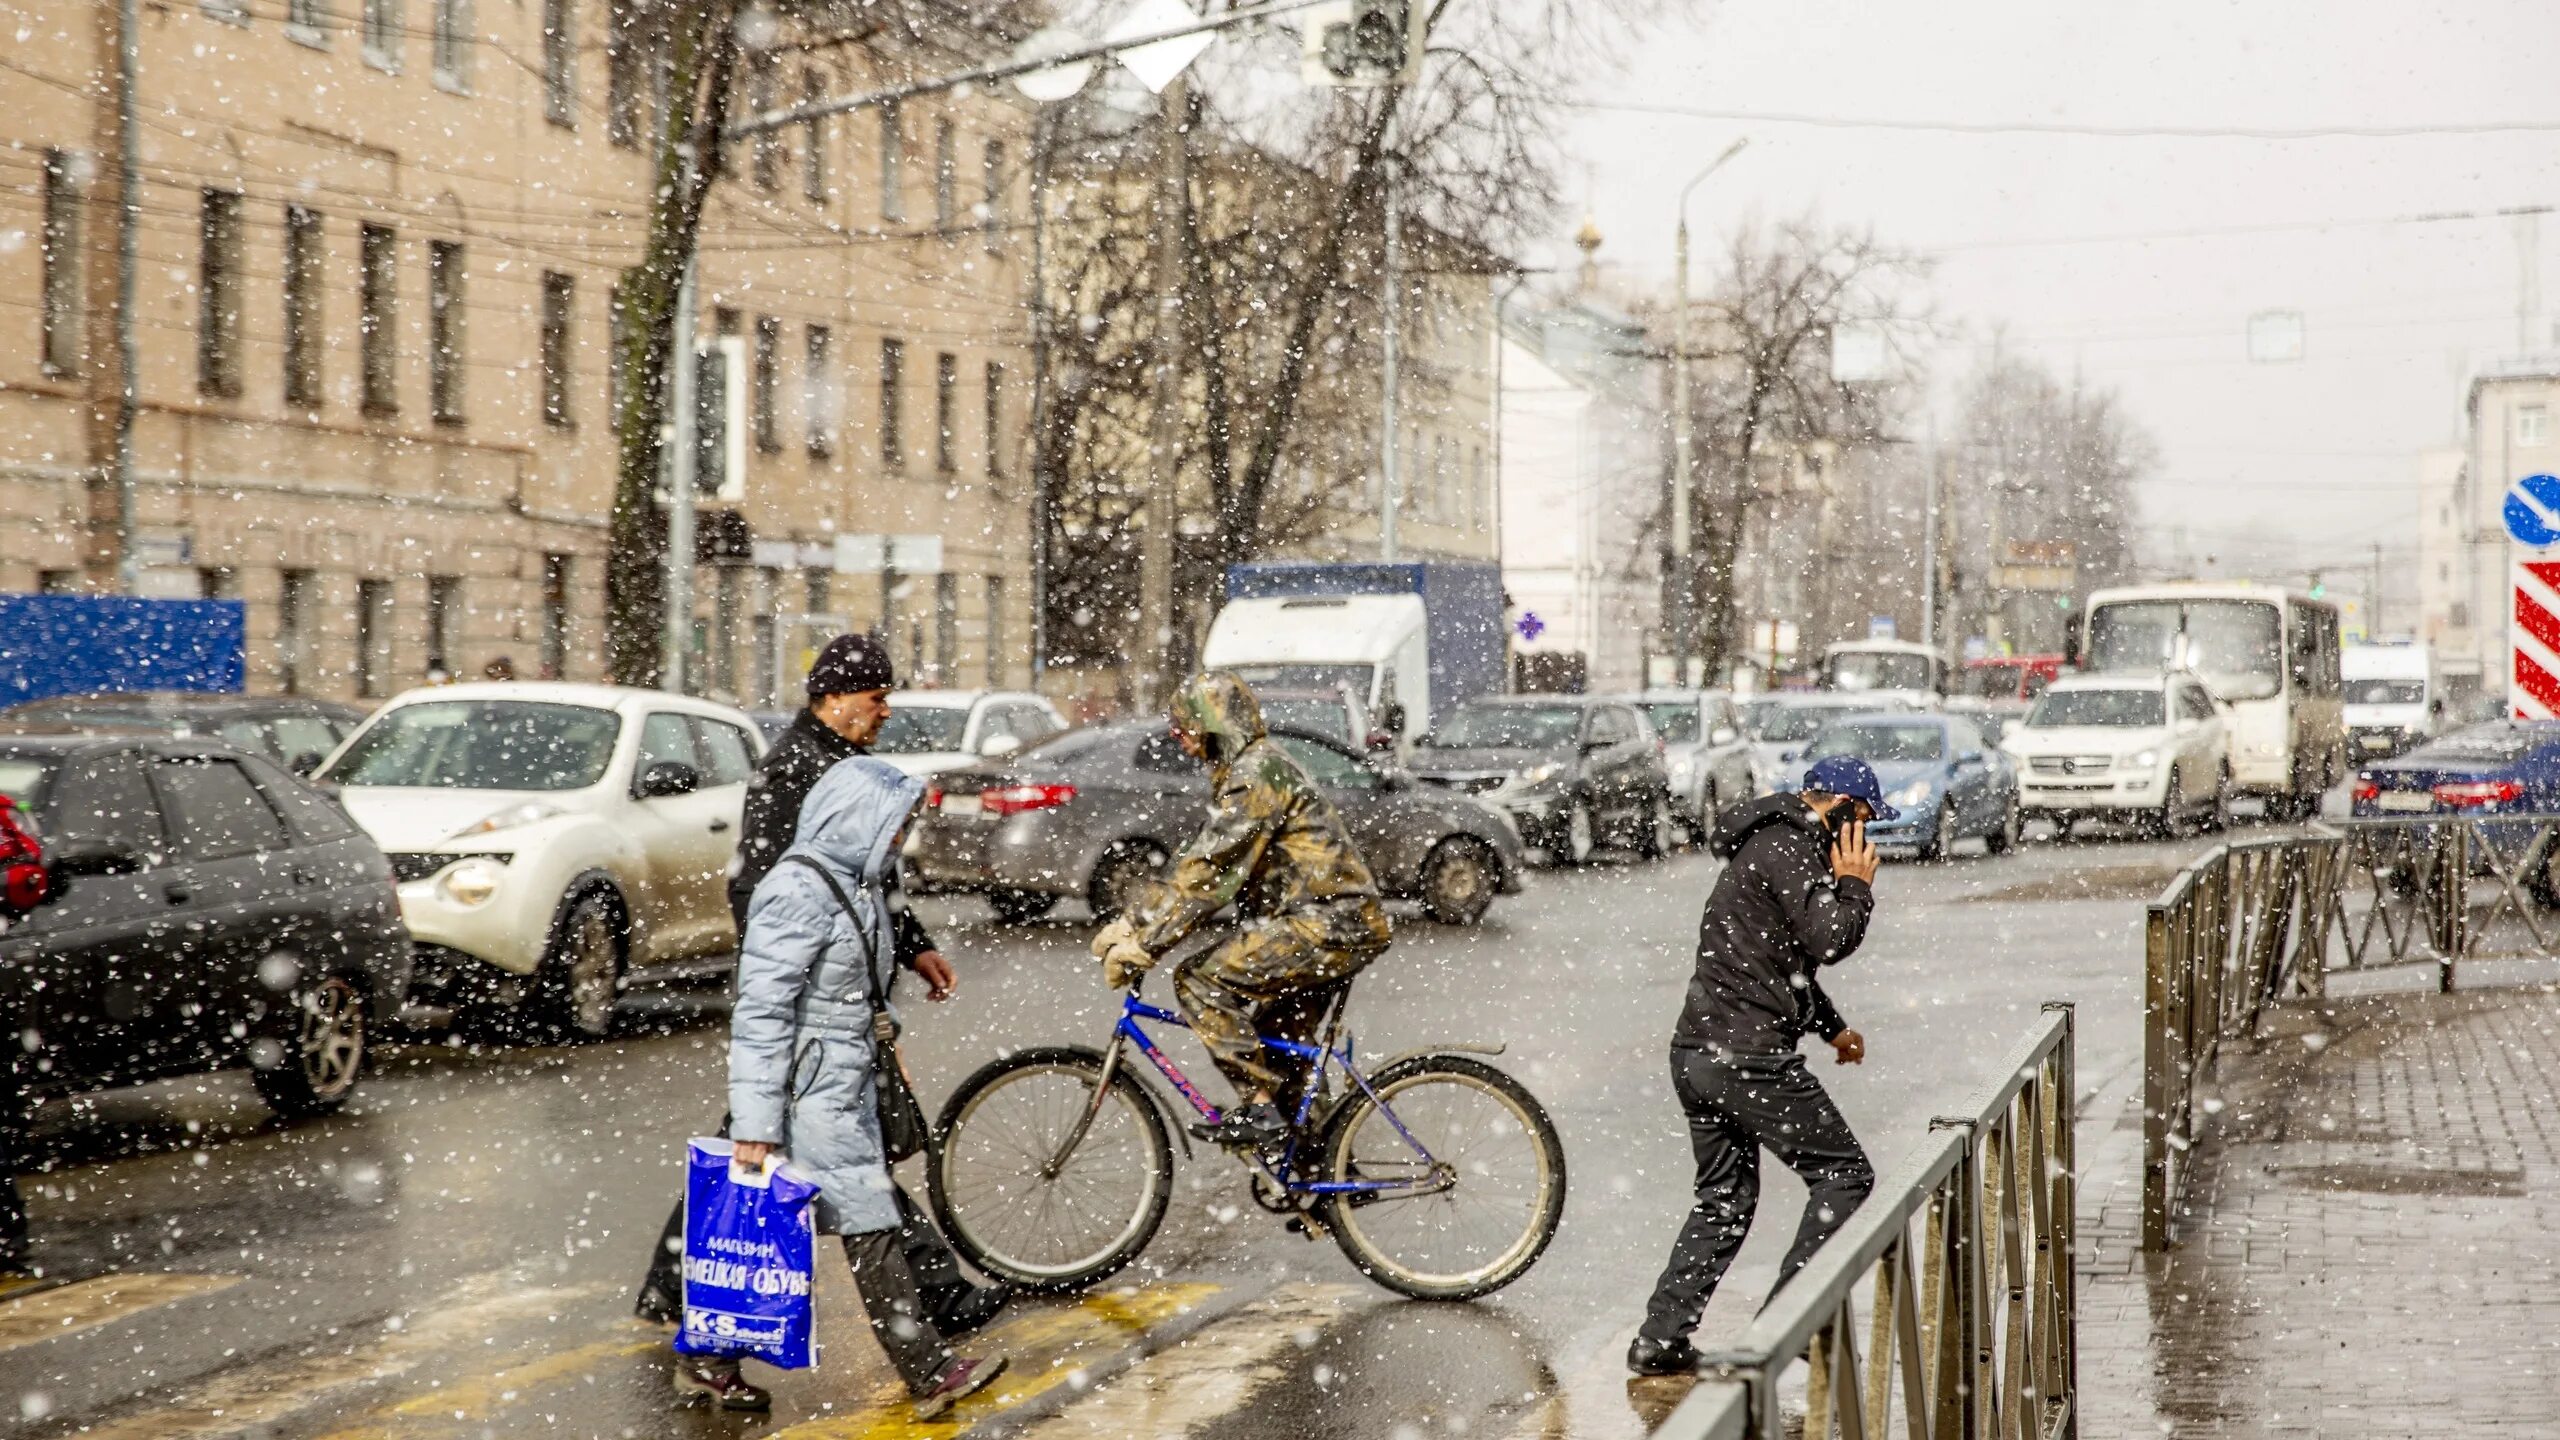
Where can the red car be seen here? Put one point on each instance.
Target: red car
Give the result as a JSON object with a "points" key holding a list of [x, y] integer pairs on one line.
{"points": [[2015, 679]]}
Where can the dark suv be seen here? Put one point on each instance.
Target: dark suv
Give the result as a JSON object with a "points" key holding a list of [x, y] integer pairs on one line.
{"points": [[1571, 771], [208, 911], [291, 730]]}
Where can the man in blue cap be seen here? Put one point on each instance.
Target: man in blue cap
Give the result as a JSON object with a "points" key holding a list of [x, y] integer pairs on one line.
{"points": [[1794, 897]]}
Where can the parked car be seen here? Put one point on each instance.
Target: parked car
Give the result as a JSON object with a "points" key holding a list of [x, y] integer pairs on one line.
{"points": [[1095, 814], [930, 731], [1707, 756], [1944, 781], [2502, 766], [552, 841], [1334, 713], [209, 912], [291, 730], [2129, 746], [2009, 683], [1782, 725], [1573, 772]]}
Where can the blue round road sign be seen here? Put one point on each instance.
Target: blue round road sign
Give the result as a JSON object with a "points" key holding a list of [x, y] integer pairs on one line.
{"points": [[2533, 511]]}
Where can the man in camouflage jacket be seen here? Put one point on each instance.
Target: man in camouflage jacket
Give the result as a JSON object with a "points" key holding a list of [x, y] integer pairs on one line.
{"points": [[1274, 848]]}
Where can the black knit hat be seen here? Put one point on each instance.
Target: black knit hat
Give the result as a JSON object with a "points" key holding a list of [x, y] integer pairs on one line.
{"points": [[850, 665]]}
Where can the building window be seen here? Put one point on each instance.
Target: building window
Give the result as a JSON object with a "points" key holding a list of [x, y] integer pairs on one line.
{"points": [[764, 398], [64, 342], [624, 94], [995, 630], [821, 584], [946, 409], [818, 393], [559, 305], [296, 593], [217, 582], [453, 45], [373, 635], [995, 421], [946, 626], [893, 359], [560, 62], [2533, 425], [618, 338], [765, 145], [2459, 615], [991, 202], [305, 259], [218, 295], [57, 582], [444, 607], [307, 21], [444, 331], [893, 164], [377, 289], [946, 175], [554, 656], [382, 33], [813, 139]]}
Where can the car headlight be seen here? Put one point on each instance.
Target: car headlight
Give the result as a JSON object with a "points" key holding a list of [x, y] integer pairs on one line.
{"points": [[1915, 793], [1539, 774], [472, 881], [530, 812], [1681, 769], [2142, 759]]}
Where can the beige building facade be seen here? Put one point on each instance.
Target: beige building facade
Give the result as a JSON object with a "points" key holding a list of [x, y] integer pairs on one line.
{"points": [[377, 248]]}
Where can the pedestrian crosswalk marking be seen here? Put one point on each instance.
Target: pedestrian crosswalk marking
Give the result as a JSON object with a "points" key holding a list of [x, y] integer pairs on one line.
{"points": [[42, 1314], [1049, 1348], [1180, 1390], [478, 1399]]}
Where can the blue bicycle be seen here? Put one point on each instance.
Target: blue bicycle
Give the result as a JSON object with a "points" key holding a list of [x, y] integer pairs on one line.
{"points": [[1438, 1175]]}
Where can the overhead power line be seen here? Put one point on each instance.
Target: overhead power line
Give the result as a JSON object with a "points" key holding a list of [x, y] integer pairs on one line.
{"points": [[2058, 127]]}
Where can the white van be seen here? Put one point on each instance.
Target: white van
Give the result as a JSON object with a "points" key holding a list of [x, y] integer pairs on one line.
{"points": [[1376, 645], [2394, 700]]}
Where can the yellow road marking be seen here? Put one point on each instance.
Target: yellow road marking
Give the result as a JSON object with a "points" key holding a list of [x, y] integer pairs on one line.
{"points": [[1049, 1348], [1178, 1391], [477, 1399], [87, 1304]]}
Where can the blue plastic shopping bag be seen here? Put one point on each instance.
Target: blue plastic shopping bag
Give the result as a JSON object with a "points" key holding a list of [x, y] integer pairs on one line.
{"points": [[748, 1242]]}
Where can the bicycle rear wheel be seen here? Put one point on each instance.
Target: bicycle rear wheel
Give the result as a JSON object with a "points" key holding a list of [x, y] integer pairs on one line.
{"points": [[1490, 1166], [1050, 1232]]}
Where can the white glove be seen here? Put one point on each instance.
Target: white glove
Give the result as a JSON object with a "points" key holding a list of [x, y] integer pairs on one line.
{"points": [[1126, 965], [1112, 936]]}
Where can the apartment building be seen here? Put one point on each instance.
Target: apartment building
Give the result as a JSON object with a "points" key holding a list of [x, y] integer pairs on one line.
{"points": [[377, 248], [2464, 550]]}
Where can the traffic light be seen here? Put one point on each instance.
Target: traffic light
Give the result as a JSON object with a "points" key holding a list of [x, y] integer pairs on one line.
{"points": [[1364, 42]]}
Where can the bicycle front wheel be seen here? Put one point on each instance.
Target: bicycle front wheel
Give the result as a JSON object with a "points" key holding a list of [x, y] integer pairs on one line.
{"points": [[1020, 1212], [1471, 1174]]}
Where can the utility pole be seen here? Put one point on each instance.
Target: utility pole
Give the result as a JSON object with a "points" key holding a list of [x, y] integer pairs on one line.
{"points": [[1155, 559], [1684, 587], [1390, 475], [128, 231], [1929, 541], [1043, 136], [2373, 598], [682, 453]]}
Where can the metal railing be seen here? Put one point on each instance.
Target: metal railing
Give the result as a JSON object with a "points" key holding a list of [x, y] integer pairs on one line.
{"points": [[2254, 920], [1947, 1308]]}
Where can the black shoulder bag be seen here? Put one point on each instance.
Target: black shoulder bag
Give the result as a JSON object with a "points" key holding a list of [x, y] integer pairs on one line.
{"points": [[903, 1128]]}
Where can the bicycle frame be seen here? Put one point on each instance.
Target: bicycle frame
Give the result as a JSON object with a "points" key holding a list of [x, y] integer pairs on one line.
{"points": [[1318, 1058]]}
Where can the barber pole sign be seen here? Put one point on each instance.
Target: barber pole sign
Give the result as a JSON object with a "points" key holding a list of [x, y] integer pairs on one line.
{"points": [[2533, 660]]}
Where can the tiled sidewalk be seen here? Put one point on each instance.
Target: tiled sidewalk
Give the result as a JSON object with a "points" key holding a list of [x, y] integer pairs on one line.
{"points": [[2374, 1243]]}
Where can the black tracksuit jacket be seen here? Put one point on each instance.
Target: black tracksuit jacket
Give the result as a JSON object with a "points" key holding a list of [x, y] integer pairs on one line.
{"points": [[1775, 917], [771, 818]]}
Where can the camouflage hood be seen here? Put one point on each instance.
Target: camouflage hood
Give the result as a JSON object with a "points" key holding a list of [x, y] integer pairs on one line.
{"points": [[1222, 712]]}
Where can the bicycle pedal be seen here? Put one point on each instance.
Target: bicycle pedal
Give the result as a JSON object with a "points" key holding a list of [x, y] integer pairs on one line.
{"points": [[1308, 1226]]}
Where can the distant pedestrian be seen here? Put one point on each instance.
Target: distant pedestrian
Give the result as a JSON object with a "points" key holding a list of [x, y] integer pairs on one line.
{"points": [[804, 1044], [1794, 897], [502, 668]]}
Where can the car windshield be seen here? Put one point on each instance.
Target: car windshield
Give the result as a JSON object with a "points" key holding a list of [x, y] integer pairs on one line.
{"points": [[2386, 692], [922, 730], [1304, 677], [1876, 670], [1880, 744], [482, 745], [2236, 645], [2500, 742], [1775, 722], [1507, 727], [1676, 721], [2060, 708], [1322, 717]]}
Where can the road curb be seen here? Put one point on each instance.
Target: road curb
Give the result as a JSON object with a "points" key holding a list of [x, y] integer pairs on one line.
{"points": [[1054, 1401]]}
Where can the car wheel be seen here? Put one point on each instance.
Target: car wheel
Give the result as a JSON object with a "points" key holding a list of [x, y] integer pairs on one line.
{"points": [[1941, 834], [581, 975], [1580, 836], [319, 1066], [1654, 837], [1121, 877], [2220, 818], [1019, 907], [2164, 824], [1459, 877], [2005, 839]]}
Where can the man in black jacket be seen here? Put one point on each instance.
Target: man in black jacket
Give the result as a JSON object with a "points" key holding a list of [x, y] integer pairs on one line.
{"points": [[1793, 897], [848, 699]]}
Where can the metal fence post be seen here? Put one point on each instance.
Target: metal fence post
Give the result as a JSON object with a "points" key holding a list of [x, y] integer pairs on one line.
{"points": [[2062, 1112], [2159, 923]]}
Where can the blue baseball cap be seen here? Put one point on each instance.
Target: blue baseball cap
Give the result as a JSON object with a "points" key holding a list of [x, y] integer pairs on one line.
{"points": [[1849, 777]]}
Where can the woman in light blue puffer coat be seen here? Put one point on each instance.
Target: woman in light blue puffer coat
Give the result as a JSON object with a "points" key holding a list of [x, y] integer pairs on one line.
{"points": [[801, 1052]]}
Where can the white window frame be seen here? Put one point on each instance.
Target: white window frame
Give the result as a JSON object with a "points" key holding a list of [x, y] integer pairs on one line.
{"points": [[2533, 425]]}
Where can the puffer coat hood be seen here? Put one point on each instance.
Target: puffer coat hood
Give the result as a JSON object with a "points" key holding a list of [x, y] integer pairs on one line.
{"points": [[1220, 710], [1737, 823], [802, 1056]]}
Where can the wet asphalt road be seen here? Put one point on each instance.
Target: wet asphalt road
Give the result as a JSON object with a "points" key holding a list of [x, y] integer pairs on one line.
{"points": [[453, 1255]]}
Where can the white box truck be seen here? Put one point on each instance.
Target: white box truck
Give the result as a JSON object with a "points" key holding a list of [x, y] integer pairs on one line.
{"points": [[2395, 701], [1411, 639]]}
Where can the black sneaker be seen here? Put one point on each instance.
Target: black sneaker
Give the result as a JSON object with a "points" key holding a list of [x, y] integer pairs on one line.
{"points": [[717, 1378], [968, 1308], [1664, 1357], [959, 1380], [1246, 1127]]}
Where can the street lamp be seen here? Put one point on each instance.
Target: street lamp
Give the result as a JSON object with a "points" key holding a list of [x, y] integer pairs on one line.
{"points": [[1683, 581]]}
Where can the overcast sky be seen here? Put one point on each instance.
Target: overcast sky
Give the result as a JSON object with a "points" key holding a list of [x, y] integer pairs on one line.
{"points": [[2270, 466]]}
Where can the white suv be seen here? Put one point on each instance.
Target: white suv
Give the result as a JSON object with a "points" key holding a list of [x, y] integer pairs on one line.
{"points": [[2126, 746], [930, 731], [550, 840]]}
